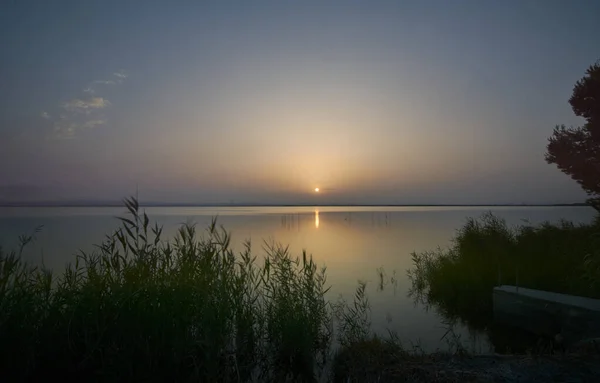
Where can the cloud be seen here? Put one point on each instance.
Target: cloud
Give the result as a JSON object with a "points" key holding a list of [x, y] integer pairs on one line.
{"points": [[92, 89], [83, 113], [120, 77], [92, 124], [79, 105], [65, 129], [121, 74]]}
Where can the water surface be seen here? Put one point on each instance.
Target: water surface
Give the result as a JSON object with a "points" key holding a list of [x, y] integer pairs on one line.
{"points": [[353, 242]]}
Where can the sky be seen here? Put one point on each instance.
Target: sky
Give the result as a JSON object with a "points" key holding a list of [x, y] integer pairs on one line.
{"points": [[403, 102]]}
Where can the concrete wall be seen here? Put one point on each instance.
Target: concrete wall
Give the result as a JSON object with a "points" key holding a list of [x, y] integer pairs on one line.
{"points": [[546, 313]]}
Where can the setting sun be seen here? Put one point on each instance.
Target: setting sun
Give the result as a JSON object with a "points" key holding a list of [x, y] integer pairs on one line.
{"points": [[316, 190]]}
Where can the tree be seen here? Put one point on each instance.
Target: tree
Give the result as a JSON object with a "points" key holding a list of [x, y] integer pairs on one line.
{"points": [[576, 150]]}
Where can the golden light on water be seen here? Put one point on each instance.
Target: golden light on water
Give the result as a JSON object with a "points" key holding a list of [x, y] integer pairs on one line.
{"points": [[317, 219]]}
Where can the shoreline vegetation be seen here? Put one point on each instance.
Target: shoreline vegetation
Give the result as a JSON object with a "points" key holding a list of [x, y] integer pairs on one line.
{"points": [[144, 308], [458, 281]]}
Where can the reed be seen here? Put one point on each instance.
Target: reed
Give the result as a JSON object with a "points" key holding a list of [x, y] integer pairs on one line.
{"points": [[485, 252], [142, 308]]}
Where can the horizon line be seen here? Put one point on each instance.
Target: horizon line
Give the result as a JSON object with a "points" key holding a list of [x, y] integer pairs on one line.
{"points": [[254, 204]]}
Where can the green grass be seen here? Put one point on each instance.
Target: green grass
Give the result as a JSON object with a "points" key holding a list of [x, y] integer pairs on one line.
{"points": [[140, 308], [458, 281]]}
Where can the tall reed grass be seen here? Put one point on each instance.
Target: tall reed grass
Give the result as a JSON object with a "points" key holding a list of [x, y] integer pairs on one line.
{"points": [[141, 308]]}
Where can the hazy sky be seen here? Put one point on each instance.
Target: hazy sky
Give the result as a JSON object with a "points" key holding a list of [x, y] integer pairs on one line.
{"points": [[447, 101]]}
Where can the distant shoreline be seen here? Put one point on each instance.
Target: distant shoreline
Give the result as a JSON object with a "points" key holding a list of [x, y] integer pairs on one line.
{"points": [[120, 204]]}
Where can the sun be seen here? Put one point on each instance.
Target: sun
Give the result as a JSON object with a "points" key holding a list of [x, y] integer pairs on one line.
{"points": [[316, 190]]}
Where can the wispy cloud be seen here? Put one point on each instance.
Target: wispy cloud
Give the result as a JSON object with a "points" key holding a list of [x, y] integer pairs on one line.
{"points": [[65, 129], [82, 106], [91, 88], [83, 113], [121, 75], [92, 124], [116, 78], [105, 82]]}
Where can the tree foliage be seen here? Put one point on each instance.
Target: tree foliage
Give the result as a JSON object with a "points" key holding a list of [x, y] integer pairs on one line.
{"points": [[576, 150]]}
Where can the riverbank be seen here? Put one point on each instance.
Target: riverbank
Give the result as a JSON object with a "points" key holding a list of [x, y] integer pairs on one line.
{"points": [[481, 369], [385, 360]]}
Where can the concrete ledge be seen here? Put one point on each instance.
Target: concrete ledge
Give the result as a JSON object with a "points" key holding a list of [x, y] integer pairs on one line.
{"points": [[569, 300], [547, 313]]}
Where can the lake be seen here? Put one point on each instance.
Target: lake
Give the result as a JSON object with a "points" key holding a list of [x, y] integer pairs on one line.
{"points": [[353, 242]]}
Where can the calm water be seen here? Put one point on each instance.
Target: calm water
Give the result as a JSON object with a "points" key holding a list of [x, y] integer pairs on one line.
{"points": [[353, 242]]}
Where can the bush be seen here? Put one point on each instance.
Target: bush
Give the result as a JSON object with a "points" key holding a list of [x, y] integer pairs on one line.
{"points": [[562, 258]]}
